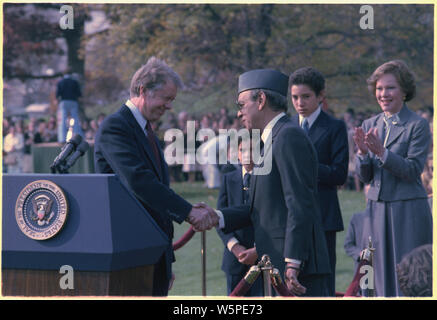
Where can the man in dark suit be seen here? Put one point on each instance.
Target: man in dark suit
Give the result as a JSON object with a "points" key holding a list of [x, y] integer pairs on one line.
{"points": [[283, 207], [126, 145], [239, 252], [329, 137]]}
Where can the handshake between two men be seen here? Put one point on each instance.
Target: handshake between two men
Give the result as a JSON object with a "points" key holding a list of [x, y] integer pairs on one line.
{"points": [[202, 217]]}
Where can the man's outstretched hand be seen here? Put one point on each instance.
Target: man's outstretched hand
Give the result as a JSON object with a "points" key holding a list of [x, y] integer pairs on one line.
{"points": [[203, 217]]}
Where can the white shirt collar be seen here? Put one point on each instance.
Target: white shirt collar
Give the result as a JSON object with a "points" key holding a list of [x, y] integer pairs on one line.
{"points": [[137, 114], [268, 128], [311, 118], [394, 117]]}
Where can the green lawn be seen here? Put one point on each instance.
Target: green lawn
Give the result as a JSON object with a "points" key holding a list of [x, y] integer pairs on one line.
{"points": [[188, 269]]}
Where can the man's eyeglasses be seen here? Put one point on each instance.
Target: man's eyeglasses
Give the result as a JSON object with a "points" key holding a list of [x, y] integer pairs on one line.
{"points": [[239, 105]]}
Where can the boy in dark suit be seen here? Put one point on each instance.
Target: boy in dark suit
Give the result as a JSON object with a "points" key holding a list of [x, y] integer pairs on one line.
{"points": [[329, 137], [239, 252]]}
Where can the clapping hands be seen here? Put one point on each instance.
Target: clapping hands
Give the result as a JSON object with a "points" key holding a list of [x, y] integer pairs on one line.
{"points": [[202, 217], [368, 141]]}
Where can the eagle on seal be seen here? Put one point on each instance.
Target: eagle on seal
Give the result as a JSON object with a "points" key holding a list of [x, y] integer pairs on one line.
{"points": [[42, 206]]}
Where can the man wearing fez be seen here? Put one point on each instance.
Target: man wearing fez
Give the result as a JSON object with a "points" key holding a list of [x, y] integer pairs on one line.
{"points": [[127, 146], [282, 206]]}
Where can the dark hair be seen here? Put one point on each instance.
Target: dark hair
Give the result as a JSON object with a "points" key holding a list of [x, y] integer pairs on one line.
{"points": [[415, 272], [276, 101], [308, 76], [400, 71]]}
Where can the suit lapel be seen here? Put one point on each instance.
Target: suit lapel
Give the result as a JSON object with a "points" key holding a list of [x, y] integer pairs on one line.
{"points": [[319, 128], [380, 126], [252, 188], [142, 138], [274, 133], [237, 183], [278, 126], [164, 168], [295, 120], [397, 128], [395, 132]]}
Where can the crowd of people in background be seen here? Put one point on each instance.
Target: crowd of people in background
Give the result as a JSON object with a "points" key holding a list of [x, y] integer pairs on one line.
{"points": [[222, 120], [19, 135]]}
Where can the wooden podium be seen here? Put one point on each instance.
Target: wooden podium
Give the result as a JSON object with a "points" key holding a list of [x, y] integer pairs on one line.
{"points": [[108, 240]]}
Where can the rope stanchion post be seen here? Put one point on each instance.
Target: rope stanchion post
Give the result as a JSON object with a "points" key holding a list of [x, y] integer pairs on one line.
{"points": [[372, 254], [279, 285], [266, 268], [246, 283], [187, 236], [203, 254], [271, 276], [368, 258]]}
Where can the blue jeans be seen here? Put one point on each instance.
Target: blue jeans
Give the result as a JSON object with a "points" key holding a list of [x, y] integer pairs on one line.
{"points": [[68, 108]]}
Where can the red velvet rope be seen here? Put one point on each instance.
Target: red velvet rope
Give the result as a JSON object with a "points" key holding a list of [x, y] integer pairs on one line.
{"points": [[241, 289], [184, 239], [354, 287], [282, 290], [244, 286]]}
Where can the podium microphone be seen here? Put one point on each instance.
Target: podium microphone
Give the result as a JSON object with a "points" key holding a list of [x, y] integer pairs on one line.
{"points": [[67, 149], [80, 151]]}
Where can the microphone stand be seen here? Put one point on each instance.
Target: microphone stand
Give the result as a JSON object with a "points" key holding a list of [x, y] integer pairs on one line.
{"points": [[60, 168]]}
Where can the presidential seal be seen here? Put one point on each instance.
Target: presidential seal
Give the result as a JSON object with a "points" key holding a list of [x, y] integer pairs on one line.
{"points": [[41, 210]]}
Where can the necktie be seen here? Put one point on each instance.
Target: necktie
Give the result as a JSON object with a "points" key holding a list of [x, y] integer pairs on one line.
{"points": [[246, 186], [261, 148], [305, 125], [152, 142]]}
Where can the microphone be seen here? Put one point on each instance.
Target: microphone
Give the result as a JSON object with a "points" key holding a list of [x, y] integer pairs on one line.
{"points": [[80, 151], [67, 149]]}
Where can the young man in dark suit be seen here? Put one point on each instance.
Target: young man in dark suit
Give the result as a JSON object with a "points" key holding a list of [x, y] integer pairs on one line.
{"points": [[239, 252], [127, 146], [329, 137], [282, 206]]}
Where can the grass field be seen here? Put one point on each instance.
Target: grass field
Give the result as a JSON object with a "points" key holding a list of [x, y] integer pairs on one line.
{"points": [[188, 269]]}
